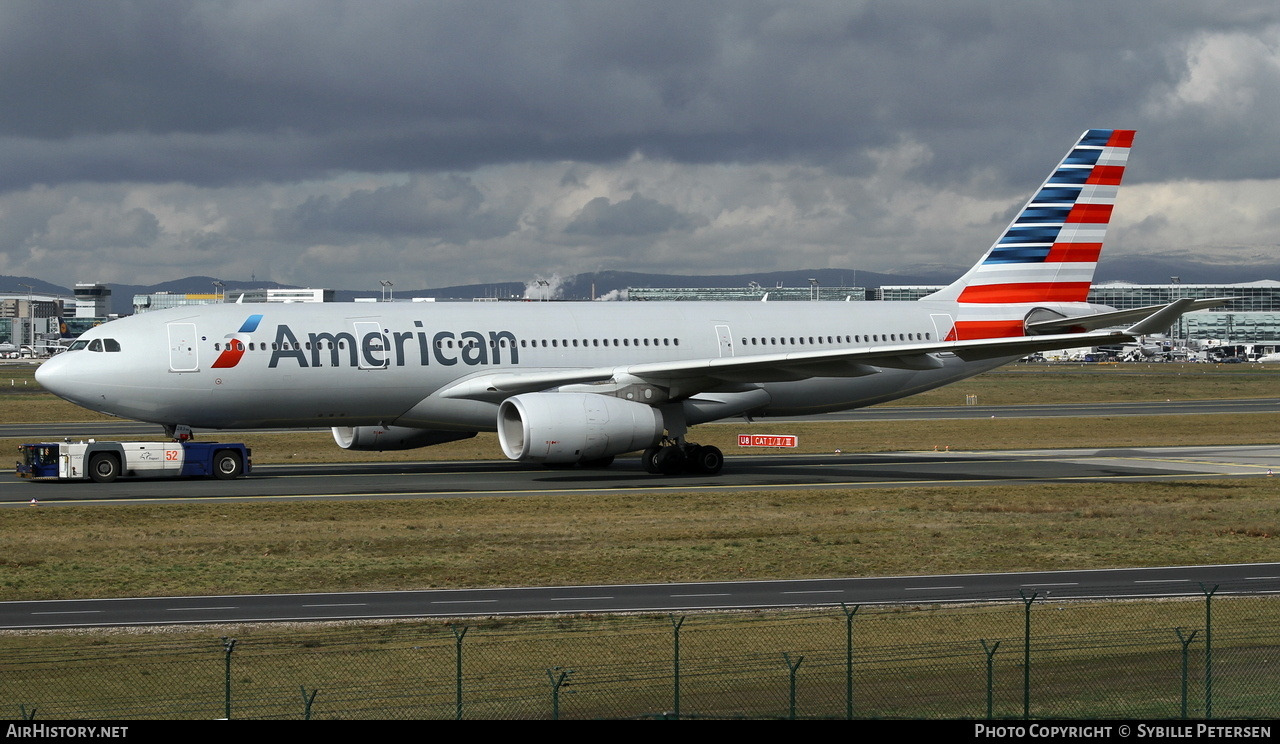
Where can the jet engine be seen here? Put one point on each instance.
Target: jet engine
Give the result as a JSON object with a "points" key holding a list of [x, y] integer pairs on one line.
{"points": [[382, 438], [555, 428]]}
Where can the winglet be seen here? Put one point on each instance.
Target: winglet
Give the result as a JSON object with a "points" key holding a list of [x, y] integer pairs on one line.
{"points": [[1161, 319]]}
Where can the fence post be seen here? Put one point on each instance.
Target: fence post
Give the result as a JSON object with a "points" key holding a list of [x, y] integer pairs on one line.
{"points": [[1186, 643], [1026, 653], [307, 700], [228, 645], [991, 654], [457, 670], [848, 659], [675, 694], [557, 681], [1208, 649], [791, 672]]}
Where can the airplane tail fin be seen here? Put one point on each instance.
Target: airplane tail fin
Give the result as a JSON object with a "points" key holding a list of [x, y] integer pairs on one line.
{"points": [[1048, 253]]}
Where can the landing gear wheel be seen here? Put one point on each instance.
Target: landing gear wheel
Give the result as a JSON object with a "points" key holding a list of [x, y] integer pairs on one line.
{"points": [[103, 467], [649, 459], [227, 465], [669, 460], [706, 460]]}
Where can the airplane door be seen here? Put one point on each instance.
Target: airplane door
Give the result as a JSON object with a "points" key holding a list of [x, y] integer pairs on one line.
{"points": [[183, 354], [371, 345], [724, 339], [942, 325]]}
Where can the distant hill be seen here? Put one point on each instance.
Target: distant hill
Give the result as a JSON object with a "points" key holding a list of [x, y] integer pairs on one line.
{"points": [[572, 288], [1158, 270], [1138, 269]]}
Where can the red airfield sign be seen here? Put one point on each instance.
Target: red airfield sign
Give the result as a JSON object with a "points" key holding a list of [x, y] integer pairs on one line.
{"points": [[767, 440]]}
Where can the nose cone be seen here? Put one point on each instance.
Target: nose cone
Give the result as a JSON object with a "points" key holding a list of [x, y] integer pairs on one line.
{"points": [[59, 376]]}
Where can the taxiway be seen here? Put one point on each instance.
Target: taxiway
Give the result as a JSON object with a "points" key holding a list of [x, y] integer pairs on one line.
{"points": [[774, 472]]}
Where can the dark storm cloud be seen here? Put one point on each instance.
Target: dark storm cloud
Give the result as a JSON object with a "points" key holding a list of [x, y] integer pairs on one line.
{"points": [[452, 209], [242, 91], [634, 216], [483, 139]]}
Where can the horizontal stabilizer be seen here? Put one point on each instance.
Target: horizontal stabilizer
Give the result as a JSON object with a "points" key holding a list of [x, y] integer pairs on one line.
{"points": [[1119, 318]]}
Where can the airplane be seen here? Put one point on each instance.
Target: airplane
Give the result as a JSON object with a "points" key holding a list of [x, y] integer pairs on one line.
{"points": [[578, 383]]}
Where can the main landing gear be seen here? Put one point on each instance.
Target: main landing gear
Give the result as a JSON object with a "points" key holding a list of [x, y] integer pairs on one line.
{"points": [[670, 458]]}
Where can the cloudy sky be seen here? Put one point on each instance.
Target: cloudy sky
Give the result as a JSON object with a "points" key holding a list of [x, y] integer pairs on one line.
{"points": [[435, 143]]}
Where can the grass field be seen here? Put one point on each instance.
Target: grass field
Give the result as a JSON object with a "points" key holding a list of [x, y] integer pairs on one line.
{"points": [[585, 539]]}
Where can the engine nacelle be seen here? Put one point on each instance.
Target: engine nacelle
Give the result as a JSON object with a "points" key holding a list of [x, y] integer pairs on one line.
{"points": [[574, 427], [382, 438]]}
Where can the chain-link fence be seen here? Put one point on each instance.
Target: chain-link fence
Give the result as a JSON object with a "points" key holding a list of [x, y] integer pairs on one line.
{"points": [[1212, 657]]}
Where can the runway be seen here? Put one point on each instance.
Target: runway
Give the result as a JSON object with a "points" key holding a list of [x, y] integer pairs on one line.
{"points": [[774, 472], [1179, 581]]}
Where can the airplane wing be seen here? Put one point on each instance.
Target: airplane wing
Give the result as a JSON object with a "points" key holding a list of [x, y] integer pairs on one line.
{"points": [[694, 375], [688, 377]]}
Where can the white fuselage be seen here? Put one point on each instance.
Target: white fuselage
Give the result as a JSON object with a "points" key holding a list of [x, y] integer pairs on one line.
{"points": [[350, 364]]}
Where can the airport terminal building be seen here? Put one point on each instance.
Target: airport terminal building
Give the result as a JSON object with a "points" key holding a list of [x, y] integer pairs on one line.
{"points": [[145, 303]]}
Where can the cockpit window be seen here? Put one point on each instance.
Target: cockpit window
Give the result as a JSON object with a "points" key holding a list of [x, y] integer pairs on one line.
{"points": [[95, 345], [77, 345], [110, 344]]}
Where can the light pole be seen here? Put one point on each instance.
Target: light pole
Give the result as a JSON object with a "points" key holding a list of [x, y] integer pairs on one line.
{"points": [[31, 319]]}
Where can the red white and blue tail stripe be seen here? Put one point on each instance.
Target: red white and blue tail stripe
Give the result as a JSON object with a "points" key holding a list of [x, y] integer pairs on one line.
{"points": [[1048, 253]]}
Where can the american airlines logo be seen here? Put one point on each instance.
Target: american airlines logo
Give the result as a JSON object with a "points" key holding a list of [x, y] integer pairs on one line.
{"points": [[369, 346], [237, 343]]}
